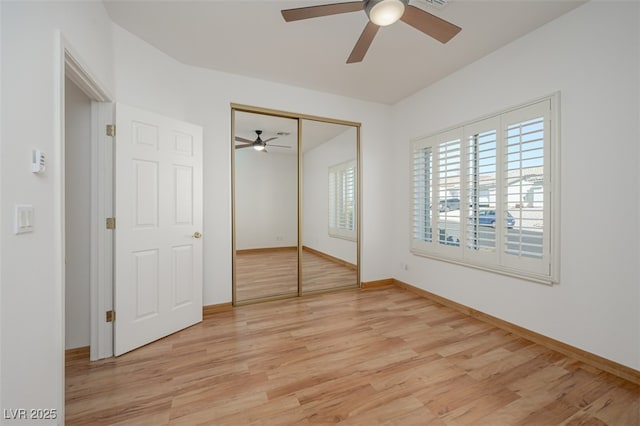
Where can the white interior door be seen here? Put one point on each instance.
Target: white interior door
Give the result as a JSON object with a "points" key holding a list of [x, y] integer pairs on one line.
{"points": [[158, 249]]}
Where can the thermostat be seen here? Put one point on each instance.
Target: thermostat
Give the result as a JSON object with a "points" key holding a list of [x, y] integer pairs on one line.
{"points": [[37, 161]]}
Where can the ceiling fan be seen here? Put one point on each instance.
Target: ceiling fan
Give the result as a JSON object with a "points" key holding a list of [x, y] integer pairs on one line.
{"points": [[258, 144], [381, 13]]}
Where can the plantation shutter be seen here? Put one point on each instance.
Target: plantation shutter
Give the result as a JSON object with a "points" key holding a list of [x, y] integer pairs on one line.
{"points": [[481, 193], [342, 200], [481, 177], [525, 187], [422, 165], [448, 187]]}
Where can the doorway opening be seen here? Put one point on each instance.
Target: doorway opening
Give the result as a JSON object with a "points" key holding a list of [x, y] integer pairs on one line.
{"points": [[83, 198], [86, 201], [77, 144]]}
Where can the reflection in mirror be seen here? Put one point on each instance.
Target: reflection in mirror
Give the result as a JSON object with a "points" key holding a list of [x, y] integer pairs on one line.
{"points": [[266, 206], [329, 237]]}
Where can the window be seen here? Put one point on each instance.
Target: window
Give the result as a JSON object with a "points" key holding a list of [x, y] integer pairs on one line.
{"points": [[342, 200], [482, 193]]}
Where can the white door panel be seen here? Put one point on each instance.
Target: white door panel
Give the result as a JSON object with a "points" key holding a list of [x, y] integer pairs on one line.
{"points": [[158, 262]]}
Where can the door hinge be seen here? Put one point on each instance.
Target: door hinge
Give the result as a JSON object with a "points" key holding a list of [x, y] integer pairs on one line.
{"points": [[111, 316], [111, 130], [111, 223]]}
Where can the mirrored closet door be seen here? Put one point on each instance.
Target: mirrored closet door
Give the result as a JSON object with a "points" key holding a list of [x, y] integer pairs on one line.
{"points": [[266, 206], [330, 201], [295, 204]]}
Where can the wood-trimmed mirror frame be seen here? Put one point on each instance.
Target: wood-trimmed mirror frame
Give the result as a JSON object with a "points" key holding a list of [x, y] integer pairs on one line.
{"points": [[299, 117]]}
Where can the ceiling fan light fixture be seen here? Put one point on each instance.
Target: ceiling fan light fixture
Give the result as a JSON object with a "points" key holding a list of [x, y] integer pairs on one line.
{"points": [[258, 147], [385, 12]]}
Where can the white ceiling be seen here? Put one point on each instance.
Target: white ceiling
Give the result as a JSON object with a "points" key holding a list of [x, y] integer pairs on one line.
{"points": [[251, 38]]}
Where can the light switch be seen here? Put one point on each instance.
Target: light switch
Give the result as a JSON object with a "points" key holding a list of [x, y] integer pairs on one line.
{"points": [[24, 219]]}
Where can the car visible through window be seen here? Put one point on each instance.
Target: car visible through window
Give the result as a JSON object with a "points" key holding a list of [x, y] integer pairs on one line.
{"points": [[488, 218], [449, 204]]}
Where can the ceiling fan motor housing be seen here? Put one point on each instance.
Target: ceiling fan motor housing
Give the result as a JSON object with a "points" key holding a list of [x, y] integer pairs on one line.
{"points": [[259, 144], [385, 12]]}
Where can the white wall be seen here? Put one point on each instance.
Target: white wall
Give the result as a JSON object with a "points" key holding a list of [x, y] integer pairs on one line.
{"points": [[592, 56], [1, 210], [595, 307], [32, 292], [638, 122], [78, 219], [316, 163], [266, 199], [204, 96]]}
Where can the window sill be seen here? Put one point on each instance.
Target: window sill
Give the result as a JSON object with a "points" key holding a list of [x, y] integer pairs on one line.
{"points": [[537, 278]]}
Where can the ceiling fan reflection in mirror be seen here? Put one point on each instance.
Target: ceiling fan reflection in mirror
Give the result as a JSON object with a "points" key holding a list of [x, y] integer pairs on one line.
{"points": [[258, 144], [381, 13]]}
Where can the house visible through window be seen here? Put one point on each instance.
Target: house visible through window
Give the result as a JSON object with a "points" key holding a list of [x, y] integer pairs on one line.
{"points": [[342, 200], [482, 193]]}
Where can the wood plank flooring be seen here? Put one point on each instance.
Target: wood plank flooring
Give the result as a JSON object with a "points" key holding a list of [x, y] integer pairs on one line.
{"points": [[268, 273], [383, 356], [320, 273]]}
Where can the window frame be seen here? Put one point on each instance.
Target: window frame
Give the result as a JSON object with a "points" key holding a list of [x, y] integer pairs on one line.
{"points": [[543, 269]]}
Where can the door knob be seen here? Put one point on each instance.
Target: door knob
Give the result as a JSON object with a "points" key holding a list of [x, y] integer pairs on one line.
{"points": [[197, 235]]}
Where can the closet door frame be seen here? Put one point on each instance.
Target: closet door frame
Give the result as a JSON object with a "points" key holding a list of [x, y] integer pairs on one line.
{"points": [[299, 117]]}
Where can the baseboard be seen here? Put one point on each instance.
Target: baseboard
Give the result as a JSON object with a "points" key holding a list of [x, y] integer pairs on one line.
{"points": [[210, 310], [589, 358], [366, 285], [329, 257], [77, 354], [265, 250]]}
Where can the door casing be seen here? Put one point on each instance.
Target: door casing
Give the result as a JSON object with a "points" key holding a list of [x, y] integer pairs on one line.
{"points": [[70, 65]]}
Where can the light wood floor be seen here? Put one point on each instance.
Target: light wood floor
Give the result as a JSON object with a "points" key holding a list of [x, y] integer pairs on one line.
{"points": [[268, 273], [358, 357]]}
